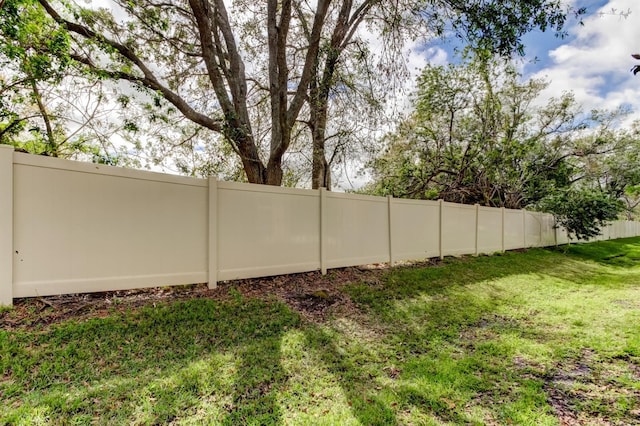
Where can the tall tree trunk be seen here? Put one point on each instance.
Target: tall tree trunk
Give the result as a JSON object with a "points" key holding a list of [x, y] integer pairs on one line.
{"points": [[274, 172], [52, 146], [251, 163], [285, 108], [320, 172], [225, 70], [320, 86]]}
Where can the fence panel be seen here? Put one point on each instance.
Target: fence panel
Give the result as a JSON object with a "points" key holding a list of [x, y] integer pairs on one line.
{"points": [[266, 230], [563, 237], [458, 229], [71, 227], [513, 229], [489, 230], [548, 237], [617, 230], [82, 227], [357, 230], [415, 229], [533, 227]]}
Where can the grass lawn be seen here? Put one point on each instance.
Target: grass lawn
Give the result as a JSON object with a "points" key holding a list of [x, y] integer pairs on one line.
{"points": [[546, 337]]}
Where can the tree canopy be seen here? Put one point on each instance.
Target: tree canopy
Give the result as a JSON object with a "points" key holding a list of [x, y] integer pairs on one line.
{"points": [[479, 134], [258, 75]]}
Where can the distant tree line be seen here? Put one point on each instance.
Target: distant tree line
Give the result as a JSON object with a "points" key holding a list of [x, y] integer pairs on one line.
{"points": [[480, 134]]}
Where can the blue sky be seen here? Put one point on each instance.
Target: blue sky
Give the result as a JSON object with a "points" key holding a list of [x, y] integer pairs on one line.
{"points": [[593, 61], [539, 44]]}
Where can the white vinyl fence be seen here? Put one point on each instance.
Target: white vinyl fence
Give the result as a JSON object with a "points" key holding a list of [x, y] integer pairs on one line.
{"points": [[72, 227]]}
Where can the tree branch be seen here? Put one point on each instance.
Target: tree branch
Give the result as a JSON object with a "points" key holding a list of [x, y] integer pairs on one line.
{"points": [[149, 80], [173, 98], [310, 59]]}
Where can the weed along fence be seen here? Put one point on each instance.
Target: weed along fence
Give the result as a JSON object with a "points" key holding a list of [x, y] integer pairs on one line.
{"points": [[72, 227]]}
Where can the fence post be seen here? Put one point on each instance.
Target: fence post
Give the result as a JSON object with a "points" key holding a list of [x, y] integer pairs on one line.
{"points": [[213, 233], [323, 230], [440, 203], [503, 214], [389, 208], [524, 228], [6, 225], [477, 226], [540, 217]]}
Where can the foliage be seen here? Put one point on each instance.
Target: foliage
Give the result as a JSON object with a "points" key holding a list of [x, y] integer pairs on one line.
{"points": [[497, 27], [475, 138], [479, 135], [254, 74], [31, 51], [542, 337], [45, 106], [582, 212]]}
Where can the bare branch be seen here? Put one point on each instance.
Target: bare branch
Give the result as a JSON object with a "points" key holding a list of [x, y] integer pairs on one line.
{"points": [[175, 99]]}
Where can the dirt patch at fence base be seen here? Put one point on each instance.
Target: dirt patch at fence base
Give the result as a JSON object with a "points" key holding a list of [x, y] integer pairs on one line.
{"points": [[39, 311], [313, 295]]}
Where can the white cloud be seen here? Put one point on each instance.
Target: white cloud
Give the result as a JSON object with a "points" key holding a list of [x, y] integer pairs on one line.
{"points": [[418, 58], [595, 64]]}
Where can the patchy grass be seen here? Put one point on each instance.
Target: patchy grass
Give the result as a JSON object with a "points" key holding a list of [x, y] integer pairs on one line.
{"points": [[544, 337]]}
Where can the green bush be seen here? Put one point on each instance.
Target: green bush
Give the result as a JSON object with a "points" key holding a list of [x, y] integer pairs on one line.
{"points": [[583, 212]]}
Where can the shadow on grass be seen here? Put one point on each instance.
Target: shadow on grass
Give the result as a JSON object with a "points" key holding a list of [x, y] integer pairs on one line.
{"points": [[623, 253], [453, 313], [220, 362], [214, 361], [200, 361], [373, 400], [356, 379], [453, 274], [449, 277], [422, 315]]}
